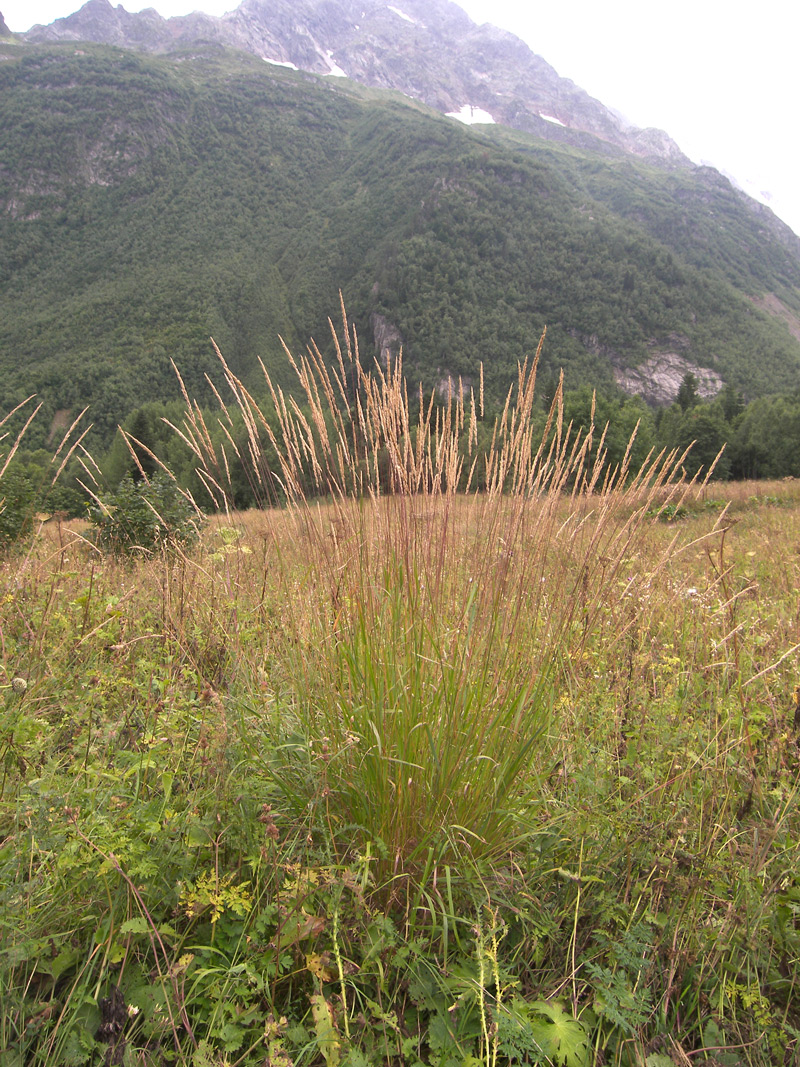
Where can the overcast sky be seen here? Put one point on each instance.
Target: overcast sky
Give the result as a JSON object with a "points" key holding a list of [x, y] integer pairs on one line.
{"points": [[722, 84]]}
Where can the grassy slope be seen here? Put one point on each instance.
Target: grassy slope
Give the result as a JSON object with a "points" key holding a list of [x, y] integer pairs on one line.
{"points": [[171, 768], [414, 779], [158, 201]]}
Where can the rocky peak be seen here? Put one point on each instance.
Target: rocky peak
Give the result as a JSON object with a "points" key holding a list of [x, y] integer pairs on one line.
{"points": [[4, 30], [427, 49], [98, 21]]}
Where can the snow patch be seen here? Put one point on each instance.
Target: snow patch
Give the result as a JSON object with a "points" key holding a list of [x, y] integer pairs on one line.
{"points": [[471, 115], [334, 70], [280, 63], [402, 14], [552, 118]]}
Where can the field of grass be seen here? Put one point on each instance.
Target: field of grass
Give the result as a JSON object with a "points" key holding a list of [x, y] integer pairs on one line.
{"points": [[409, 777]]}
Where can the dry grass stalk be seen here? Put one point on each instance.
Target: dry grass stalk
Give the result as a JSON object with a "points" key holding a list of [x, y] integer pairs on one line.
{"points": [[443, 592]]}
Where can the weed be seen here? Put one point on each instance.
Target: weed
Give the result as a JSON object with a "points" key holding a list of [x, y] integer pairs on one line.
{"points": [[669, 512], [145, 516]]}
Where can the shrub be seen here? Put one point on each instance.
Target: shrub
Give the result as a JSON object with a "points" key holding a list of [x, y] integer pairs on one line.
{"points": [[145, 515], [17, 506]]}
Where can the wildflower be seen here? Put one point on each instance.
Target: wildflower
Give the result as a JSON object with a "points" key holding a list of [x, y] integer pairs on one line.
{"points": [[19, 685]]}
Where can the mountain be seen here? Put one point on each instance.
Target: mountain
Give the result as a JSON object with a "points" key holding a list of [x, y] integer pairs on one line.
{"points": [[150, 199], [429, 50]]}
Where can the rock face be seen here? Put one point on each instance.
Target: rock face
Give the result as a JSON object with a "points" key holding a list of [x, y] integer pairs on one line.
{"points": [[427, 49], [657, 381], [4, 30], [388, 339]]}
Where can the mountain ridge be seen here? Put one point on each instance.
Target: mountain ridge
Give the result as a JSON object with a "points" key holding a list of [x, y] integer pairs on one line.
{"points": [[148, 202], [428, 49], [172, 185]]}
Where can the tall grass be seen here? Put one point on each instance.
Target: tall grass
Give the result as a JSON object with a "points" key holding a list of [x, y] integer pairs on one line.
{"points": [[435, 623]]}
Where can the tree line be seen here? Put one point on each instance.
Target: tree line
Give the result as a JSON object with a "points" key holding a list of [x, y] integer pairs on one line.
{"points": [[739, 440]]}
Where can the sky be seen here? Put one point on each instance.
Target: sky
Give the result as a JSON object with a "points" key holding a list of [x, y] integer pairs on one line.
{"points": [[723, 85]]}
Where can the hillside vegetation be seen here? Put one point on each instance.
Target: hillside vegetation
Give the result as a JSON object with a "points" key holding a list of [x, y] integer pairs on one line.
{"points": [[151, 203]]}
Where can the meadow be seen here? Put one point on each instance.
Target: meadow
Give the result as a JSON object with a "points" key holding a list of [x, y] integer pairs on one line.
{"points": [[456, 755]]}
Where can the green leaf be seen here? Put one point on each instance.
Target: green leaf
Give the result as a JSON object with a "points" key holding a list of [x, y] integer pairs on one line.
{"points": [[66, 958], [355, 1058], [196, 836], [327, 1037], [116, 953], [139, 925], [232, 1036], [441, 1035], [562, 1036], [78, 1048], [204, 1055], [167, 778]]}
